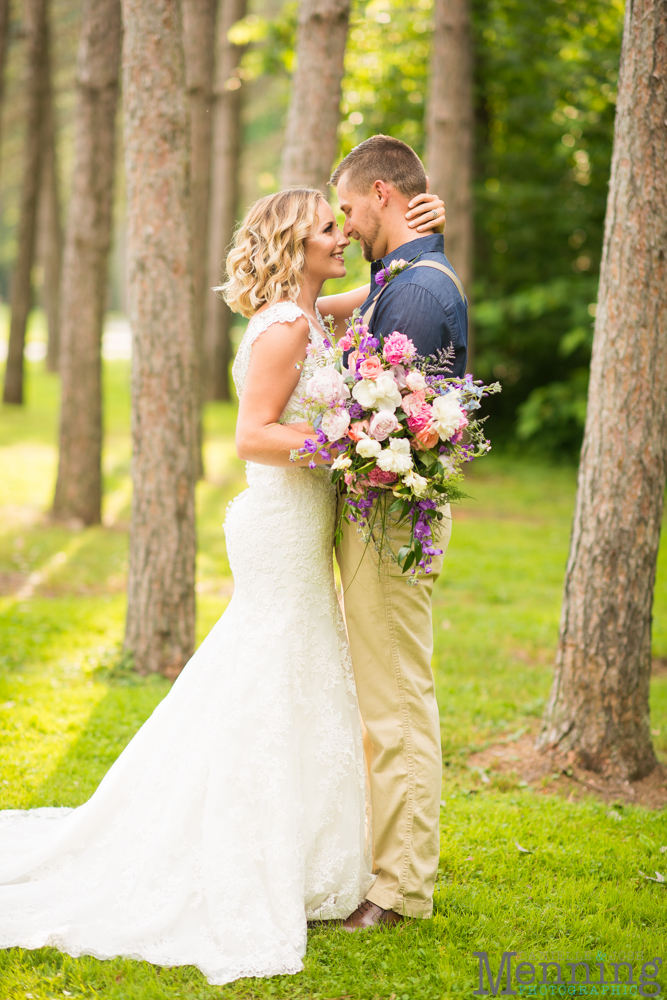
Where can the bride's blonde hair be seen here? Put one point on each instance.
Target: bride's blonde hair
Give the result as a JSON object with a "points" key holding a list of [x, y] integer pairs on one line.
{"points": [[268, 256]]}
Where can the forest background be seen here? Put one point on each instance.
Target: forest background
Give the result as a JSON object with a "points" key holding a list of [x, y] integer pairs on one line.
{"points": [[544, 98], [539, 854]]}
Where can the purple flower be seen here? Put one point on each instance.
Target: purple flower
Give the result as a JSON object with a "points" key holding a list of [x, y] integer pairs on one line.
{"points": [[381, 277]]}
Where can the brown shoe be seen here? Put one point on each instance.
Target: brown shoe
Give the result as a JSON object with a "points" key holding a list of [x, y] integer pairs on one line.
{"points": [[368, 916]]}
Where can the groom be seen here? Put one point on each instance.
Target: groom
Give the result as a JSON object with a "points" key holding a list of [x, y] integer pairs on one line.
{"points": [[389, 623]]}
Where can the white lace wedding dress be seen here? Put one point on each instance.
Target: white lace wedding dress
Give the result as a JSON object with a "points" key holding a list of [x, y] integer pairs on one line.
{"points": [[238, 810]]}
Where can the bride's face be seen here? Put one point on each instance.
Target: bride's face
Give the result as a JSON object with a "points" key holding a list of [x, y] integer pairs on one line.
{"points": [[324, 250]]}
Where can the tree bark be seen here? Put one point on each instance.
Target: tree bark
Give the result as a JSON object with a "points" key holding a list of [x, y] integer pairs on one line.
{"points": [[311, 135], [161, 602], [224, 197], [21, 290], [4, 37], [599, 705], [199, 45], [84, 287], [450, 132], [49, 225]]}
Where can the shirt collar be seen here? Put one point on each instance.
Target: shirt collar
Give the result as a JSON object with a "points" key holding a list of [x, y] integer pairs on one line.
{"points": [[423, 244]]}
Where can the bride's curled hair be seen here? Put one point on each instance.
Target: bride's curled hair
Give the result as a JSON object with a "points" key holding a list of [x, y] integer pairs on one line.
{"points": [[268, 255]]}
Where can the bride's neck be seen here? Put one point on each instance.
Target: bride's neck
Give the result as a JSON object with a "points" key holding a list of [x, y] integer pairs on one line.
{"points": [[308, 296]]}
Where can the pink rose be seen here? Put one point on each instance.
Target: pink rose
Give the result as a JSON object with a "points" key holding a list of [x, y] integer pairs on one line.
{"points": [[420, 417], [371, 367], [413, 402], [358, 429], [346, 341], [383, 424], [352, 359], [327, 385], [398, 348], [335, 423], [377, 477]]}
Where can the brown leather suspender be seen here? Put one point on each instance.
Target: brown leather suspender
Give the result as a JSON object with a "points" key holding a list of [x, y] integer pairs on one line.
{"points": [[420, 263]]}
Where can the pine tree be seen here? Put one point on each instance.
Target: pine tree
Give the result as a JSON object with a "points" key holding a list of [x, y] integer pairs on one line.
{"points": [[78, 492], [450, 132], [312, 122], [36, 13], [599, 705], [161, 600]]}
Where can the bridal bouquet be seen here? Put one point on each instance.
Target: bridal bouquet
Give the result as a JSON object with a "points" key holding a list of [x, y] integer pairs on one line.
{"points": [[392, 426]]}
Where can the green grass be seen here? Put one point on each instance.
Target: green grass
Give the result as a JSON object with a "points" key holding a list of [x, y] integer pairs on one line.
{"points": [[64, 719]]}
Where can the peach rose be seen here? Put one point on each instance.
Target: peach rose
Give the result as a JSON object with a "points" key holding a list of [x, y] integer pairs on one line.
{"points": [[425, 438], [371, 367], [358, 429]]}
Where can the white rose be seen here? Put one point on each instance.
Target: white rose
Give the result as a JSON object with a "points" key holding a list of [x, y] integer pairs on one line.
{"points": [[378, 394], [335, 423], [396, 458], [341, 462], [368, 448], [383, 424], [415, 381], [447, 414], [327, 385], [416, 483]]}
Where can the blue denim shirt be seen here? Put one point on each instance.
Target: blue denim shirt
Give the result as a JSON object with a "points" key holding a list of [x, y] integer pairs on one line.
{"points": [[421, 302]]}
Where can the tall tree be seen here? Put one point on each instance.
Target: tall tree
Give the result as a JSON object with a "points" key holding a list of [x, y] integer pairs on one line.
{"points": [[4, 37], [224, 196], [311, 134], [49, 225], [450, 131], [36, 12], [199, 46], [161, 603], [599, 705], [84, 286]]}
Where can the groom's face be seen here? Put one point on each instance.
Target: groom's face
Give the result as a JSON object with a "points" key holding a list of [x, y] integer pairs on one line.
{"points": [[362, 219]]}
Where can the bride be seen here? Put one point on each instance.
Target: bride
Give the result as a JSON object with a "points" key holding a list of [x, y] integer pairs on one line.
{"points": [[238, 811]]}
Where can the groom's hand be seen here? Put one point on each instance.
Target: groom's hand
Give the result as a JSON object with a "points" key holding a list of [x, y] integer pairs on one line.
{"points": [[426, 213]]}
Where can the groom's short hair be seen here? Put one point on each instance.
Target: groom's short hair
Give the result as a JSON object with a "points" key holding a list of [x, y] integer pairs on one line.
{"points": [[382, 158]]}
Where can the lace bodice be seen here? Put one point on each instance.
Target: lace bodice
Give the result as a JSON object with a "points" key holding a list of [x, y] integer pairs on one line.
{"points": [[280, 312]]}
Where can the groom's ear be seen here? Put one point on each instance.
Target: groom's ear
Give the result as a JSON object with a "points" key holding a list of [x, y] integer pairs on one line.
{"points": [[427, 184], [380, 192]]}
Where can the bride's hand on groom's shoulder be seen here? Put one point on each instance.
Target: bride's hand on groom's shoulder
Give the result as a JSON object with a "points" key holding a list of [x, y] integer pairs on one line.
{"points": [[426, 213]]}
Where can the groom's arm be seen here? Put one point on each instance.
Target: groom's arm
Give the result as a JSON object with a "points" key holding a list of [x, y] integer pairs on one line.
{"points": [[431, 323]]}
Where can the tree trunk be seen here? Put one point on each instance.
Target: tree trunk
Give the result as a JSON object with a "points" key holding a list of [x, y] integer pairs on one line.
{"points": [[450, 132], [199, 45], [311, 137], [21, 291], [224, 197], [4, 37], [161, 602], [599, 705], [84, 287], [50, 234]]}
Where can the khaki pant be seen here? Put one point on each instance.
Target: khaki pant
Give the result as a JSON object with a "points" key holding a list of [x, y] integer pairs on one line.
{"points": [[389, 625]]}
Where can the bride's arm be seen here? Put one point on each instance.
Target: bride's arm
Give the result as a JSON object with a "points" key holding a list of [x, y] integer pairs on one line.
{"points": [[420, 214], [275, 366]]}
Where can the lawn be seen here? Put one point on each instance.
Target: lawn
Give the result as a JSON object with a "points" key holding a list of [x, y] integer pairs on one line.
{"points": [[65, 714]]}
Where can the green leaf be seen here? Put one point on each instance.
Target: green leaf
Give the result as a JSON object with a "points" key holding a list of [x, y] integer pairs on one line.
{"points": [[403, 553]]}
